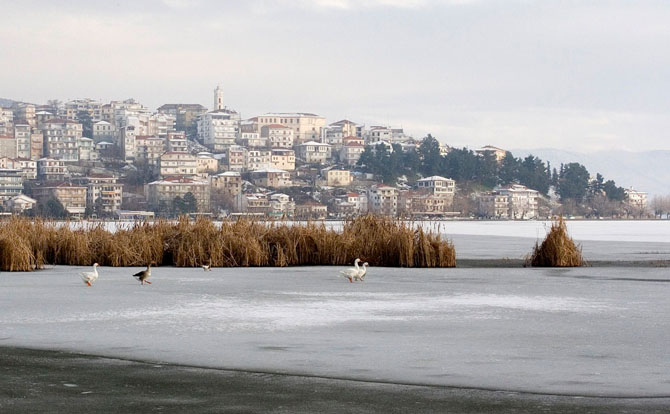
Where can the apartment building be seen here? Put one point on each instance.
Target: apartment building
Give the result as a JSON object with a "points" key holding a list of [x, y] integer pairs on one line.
{"points": [[11, 183], [521, 202], [61, 139], [20, 204], [8, 146], [163, 192], [351, 152], [636, 199], [438, 186], [271, 178], [497, 153], [102, 187], [87, 150], [383, 200], [206, 164], [103, 131], [311, 210], [233, 158], [185, 115], [493, 205], [281, 205], [230, 182], [313, 152], [283, 159], [278, 136], [22, 135], [218, 129], [51, 169], [72, 197], [338, 178], [148, 150], [176, 141], [258, 159], [178, 164], [306, 127]]}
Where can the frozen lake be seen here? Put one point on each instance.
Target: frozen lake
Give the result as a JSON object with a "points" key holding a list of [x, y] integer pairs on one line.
{"points": [[584, 331]]}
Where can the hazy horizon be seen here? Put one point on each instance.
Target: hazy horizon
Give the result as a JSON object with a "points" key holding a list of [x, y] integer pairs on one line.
{"points": [[553, 74]]}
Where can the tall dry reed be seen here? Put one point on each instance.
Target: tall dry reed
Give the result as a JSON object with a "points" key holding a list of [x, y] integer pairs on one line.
{"points": [[29, 244], [557, 250]]}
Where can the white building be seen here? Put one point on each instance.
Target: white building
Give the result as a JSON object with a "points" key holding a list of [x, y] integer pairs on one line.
{"points": [[283, 159], [383, 200], [438, 186], [313, 152], [258, 159], [218, 129], [61, 139], [178, 164], [636, 199], [278, 136]]}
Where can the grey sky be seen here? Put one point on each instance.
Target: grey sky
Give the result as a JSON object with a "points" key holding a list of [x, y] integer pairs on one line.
{"points": [[567, 74]]}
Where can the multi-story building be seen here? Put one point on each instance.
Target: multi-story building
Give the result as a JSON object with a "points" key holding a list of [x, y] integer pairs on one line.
{"points": [[313, 152], [163, 192], [278, 136], [493, 205], [218, 129], [636, 199], [42, 117], [281, 205], [102, 187], [27, 166], [338, 178], [186, 115], [25, 113], [11, 183], [61, 139], [383, 200], [103, 131], [51, 169], [87, 150], [178, 164], [306, 127], [438, 186], [72, 108], [250, 136], [258, 159], [283, 159], [206, 164], [351, 152], [377, 134], [148, 150], [72, 197], [230, 182], [347, 128], [160, 124], [36, 145], [257, 204], [20, 204], [271, 178], [520, 202], [233, 158], [128, 142], [22, 135], [176, 141], [311, 210], [7, 146], [6, 121]]}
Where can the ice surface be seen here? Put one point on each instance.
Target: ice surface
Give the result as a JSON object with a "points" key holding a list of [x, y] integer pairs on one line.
{"points": [[587, 331]]}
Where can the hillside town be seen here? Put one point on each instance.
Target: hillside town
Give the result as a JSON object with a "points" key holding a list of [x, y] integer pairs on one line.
{"points": [[85, 158]]}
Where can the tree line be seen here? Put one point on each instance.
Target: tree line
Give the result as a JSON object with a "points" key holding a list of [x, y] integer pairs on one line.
{"points": [[570, 181]]}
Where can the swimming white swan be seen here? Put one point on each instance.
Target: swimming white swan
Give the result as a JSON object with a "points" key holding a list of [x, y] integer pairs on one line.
{"points": [[352, 273], [361, 272], [90, 277], [144, 274]]}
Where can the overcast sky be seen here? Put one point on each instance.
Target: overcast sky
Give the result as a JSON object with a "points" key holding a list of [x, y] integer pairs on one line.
{"points": [[571, 74]]}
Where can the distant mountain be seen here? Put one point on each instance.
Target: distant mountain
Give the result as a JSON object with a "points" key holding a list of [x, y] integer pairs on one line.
{"points": [[645, 171], [6, 102]]}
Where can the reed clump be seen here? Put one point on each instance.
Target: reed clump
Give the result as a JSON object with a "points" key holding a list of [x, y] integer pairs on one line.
{"points": [[557, 250], [28, 244]]}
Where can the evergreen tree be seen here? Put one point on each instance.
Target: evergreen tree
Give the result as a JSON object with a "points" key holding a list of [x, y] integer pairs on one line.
{"points": [[509, 169], [429, 152], [573, 182], [190, 203]]}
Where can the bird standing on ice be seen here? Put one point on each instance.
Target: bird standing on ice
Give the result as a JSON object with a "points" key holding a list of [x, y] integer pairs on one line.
{"points": [[90, 277], [207, 267], [352, 273], [144, 274], [361, 272]]}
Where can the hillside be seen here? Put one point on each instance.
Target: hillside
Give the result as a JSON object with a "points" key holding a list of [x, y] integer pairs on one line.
{"points": [[646, 171]]}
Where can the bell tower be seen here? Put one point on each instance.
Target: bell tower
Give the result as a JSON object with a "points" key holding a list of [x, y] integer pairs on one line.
{"points": [[218, 98]]}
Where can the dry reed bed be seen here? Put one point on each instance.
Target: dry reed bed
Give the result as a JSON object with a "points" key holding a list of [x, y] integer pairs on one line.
{"points": [[557, 250], [30, 244]]}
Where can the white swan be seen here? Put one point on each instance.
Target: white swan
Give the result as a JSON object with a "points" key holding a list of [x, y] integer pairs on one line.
{"points": [[361, 272], [352, 273], [89, 277]]}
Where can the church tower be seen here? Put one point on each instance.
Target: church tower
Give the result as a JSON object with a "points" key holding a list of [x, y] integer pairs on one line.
{"points": [[218, 98]]}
